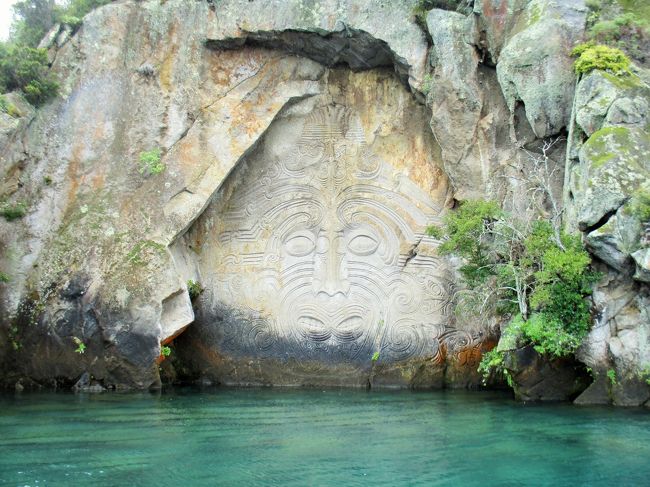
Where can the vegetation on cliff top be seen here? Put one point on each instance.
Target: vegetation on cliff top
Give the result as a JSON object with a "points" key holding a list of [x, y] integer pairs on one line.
{"points": [[23, 66], [621, 24]]}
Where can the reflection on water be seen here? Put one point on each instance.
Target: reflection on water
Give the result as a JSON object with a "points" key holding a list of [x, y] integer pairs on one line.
{"points": [[298, 437]]}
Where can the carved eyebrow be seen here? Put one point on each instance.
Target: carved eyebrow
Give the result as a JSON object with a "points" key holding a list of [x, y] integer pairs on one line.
{"points": [[411, 206], [372, 207]]}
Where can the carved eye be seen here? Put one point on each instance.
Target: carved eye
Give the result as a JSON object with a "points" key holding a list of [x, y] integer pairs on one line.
{"points": [[363, 245], [299, 244]]}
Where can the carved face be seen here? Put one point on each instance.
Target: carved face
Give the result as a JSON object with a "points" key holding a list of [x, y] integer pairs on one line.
{"points": [[322, 253]]}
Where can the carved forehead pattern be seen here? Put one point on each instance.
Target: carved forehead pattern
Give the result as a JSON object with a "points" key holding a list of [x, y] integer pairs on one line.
{"points": [[315, 252]]}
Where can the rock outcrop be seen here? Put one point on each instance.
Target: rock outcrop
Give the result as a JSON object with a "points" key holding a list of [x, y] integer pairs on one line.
{"points": [[300, 150]]}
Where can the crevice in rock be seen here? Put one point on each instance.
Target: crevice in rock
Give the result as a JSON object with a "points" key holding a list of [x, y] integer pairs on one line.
{"points": [[603, 220], [413, 252], [353, 48]]}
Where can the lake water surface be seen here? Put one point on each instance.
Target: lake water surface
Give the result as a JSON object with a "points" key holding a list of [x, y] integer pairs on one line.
{"points": [[310, 437]]}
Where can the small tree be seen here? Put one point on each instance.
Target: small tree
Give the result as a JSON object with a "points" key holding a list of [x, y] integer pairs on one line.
{"points": [[533, 276]]}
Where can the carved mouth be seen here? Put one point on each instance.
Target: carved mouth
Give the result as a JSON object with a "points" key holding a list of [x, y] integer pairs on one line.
{"points": [[344, 329]]}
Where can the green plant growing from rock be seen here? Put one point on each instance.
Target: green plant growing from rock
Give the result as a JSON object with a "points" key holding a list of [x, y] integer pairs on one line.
{"points": [[4, 277], [624, 24], [26, 68], [375, 357], [13, 211], [140, 252], [644, 374], [150, 162], [81, 346], [516, 269], [611, 375], [194, 289], [592, 56], [165, 351]]}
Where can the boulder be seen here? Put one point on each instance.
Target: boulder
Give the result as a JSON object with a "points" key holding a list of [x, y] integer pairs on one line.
{"points": [[538, 378]]}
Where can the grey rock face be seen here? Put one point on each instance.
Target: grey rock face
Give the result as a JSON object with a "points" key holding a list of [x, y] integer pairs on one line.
{"points": [[605, 100], [617, 348], [363, 34], [615, 163], [455, 96], [535, 66]]}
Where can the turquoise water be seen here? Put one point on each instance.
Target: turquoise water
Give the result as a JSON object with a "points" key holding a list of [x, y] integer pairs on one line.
{"points": [[297, 437]]}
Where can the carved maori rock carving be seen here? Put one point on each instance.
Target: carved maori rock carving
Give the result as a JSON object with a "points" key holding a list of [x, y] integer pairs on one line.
{"points": [[316, 250]]}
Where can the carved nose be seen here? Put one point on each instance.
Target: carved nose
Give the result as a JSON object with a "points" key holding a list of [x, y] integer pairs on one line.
{"points": [[330, 278], [331, 286]]}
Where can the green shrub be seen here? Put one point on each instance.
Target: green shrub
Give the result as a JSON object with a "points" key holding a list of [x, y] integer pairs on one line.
{"points": [[72, 21], [150, 162], [4, 277], [165, 351], [79, 8], [596, 56], [435, 232], [491, 363], [467, 231], [375, 357], [9, 108], [532, 271], [38, 92], [548, 336], [13, 211], [25, 68], [611, 375]]}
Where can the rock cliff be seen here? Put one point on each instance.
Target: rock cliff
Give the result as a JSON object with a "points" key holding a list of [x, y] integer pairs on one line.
{"points": [[301, 149]]}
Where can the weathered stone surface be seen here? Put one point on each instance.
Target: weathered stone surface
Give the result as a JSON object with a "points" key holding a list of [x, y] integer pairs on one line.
{"points": [[498, 20], [619, 342], [99, 213], [455, 96], [362, 34], [615, 162], [616, 240], [604, 100], [642, 260], [224, 90], [535, 66], [599, 392]]}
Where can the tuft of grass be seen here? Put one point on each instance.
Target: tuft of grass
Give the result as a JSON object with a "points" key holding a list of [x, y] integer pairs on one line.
{"points": [[81, 346], [597, 56], [150, 162], [13, 211]]}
